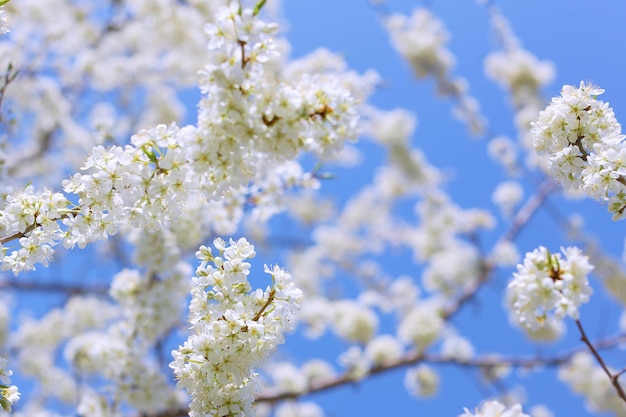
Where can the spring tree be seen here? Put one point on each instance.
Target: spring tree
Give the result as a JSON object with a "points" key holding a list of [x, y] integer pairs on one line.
{"points": [[195, 222]]}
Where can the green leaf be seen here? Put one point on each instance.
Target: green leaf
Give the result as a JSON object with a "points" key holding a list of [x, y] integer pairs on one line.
{"points": [[151, 155], [3, 2], [258, 7]]}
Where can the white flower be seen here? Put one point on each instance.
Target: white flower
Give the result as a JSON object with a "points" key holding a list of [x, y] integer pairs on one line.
{"points": [[505, 253], [421, 381], [383, 349], [520, 72], [355, 361], [495, 409], [421, 38], [585, 377], [4, 22], [354, 322], [507, 196], [317, 370], [584, 145], [457, 347], [299, 409], [233, 329], [503, 150], [540, 411], [287, 377], [9, 394], [547, 287], [451, 268], [421, 327]]}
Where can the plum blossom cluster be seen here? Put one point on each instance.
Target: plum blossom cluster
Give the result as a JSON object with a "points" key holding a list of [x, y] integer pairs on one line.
{"points": [[421, 381], [495, 409], [9, 394], [233, 329], [583, 143], [522, 75], [4, 22], [421, 39], [546, 287], [249, 117], [33, 219], [38, 344], [519, 72]]}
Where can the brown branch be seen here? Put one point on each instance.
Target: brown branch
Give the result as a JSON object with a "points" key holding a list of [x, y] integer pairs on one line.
{"points": [[521, 218], [33, 286], [18, 162], [528, 210], [412, 358], [9, 77], [19, 235], [607, 371], [28, 229], [270, 298]]}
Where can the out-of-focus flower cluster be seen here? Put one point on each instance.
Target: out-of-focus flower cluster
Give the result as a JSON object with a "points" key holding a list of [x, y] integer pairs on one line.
{"points": [[421, 39], [495, 409], [9, 394], [234, 328], [522, 75], [4, 22], [586, 378]]}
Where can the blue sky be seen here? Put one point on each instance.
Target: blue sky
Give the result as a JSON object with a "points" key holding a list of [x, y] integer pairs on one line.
{"points": [[585, 41]]}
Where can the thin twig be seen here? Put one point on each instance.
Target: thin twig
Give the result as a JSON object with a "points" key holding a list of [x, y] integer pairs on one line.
{"points": [[594, 352], [9, 76], [46, 287], [521, 218], [413, 358]]}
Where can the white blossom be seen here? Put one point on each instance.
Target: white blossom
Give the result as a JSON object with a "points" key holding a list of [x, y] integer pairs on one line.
{"points": [[354, 322], [357, 365], [262, 121], [287, 377], [317, 370], [421, 326], [383, 349], [495, 409], [456, 346], [9, 394], [584, 145], [4, 22], [299, 409], [507, 196], [233, 329], [520, 72], [421, 381], [585, 377], [547, 287]]}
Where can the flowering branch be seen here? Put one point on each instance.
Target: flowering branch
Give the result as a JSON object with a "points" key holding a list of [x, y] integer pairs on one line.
{"points": [[412, 358], [521, 218]]}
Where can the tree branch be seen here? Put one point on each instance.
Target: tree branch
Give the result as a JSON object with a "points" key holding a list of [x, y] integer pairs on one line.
{"points": [[612, 377], [34, 286], [412, 358], [521, 218]]}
